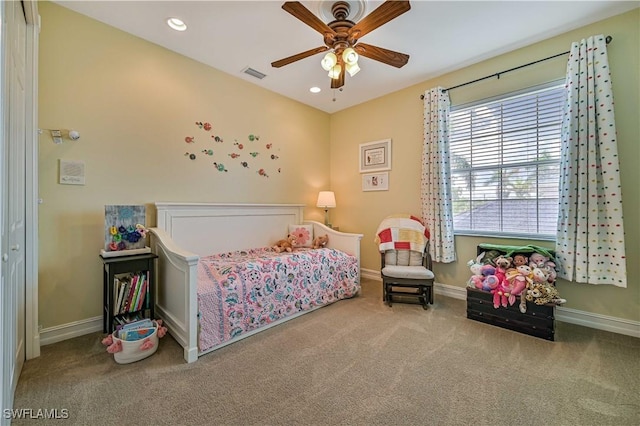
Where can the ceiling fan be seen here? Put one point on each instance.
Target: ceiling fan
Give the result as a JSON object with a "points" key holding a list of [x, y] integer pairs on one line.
{"points": [[341, 38]]}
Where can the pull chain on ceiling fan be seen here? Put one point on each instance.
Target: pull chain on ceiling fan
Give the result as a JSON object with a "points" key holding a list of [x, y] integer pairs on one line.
{"points": [[341, 38]]}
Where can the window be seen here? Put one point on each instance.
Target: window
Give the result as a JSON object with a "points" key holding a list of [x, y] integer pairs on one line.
{"points": [[505, 164]]}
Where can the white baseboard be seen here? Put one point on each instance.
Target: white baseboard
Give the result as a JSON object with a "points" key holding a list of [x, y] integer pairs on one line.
{"points": [[370, 274], [62, 332], [572, 316], [568, 315], [598, 321]]}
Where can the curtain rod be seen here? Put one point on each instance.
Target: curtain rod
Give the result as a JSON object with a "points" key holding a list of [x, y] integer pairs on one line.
{"points": [[498, 74]]}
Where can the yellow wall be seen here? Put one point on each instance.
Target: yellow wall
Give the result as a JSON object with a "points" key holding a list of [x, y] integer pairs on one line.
{"points": [[134, 102], [399, 116]]}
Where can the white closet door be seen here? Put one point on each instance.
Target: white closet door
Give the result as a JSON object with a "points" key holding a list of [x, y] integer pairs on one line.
{"points": [[13, 282]]}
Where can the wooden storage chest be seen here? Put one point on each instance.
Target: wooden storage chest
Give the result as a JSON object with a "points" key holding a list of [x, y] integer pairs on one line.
{"points": [[538, 321]]}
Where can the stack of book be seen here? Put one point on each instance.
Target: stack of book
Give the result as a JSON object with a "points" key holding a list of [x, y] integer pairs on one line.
{"points": [[136, 330], [131, 293]]}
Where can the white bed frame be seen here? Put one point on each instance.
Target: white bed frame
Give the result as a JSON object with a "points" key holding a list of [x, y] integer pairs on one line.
{"points": [[186, 231]]}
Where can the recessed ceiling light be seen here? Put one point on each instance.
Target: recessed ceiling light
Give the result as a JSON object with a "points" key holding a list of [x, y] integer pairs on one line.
{"points": [[315, 89], [176, 24]]}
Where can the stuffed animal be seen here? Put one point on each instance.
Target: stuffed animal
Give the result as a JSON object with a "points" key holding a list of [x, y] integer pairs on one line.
{"points": [[503, 262], [490, 257], [476, 265], [489, 283], [520, 279], [500, 273], [550, 268], [539, 275], [501, 295], [519, 259], [486, 280], [541, 294], [285, 244], [320, 241], [476, 281], [477, 278], [537, 260], [487, 270]]}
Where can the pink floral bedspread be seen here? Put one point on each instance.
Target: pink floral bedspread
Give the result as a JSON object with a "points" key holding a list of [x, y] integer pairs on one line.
{"points": [[243, 290]]}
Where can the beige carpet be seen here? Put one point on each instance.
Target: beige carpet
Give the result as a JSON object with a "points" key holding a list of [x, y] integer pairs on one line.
{"points": [[357, 362]]}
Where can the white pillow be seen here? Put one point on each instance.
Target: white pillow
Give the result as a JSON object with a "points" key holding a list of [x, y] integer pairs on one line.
{"points": [[303, 233]]}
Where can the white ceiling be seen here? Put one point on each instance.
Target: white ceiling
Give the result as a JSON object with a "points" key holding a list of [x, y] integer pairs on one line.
{"points": [[439, 36]]}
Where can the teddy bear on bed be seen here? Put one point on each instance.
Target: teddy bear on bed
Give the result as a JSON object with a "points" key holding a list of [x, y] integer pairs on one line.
{"points": [[286, 244], [320, 241]]}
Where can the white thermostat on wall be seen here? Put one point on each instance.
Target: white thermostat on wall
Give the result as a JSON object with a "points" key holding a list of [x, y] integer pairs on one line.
{"points": [[71, 172]]}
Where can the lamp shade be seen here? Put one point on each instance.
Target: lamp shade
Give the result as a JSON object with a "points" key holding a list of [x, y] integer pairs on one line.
{"points": [[326, 199], [329, 61], [353, 69], [350, 56], [335, 71]]}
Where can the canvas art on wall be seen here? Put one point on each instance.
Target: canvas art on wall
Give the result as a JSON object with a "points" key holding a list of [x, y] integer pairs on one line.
{"points": [[124, 231], [375, 156]]}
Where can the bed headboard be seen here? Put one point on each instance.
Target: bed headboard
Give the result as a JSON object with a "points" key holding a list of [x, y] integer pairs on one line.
{"points": [[208, 228]]}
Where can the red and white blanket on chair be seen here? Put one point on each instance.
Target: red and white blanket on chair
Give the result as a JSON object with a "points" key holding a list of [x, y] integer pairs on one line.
{"points": [[402, 232]]}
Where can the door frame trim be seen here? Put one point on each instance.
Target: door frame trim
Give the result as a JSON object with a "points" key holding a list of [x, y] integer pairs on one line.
{"points": [[32, 332]]}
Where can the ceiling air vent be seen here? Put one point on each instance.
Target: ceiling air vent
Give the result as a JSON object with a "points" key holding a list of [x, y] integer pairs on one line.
{"points": [[254, 73]]}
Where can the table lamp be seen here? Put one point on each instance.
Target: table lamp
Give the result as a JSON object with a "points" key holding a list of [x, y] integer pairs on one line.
{"points": [[326, 200]]}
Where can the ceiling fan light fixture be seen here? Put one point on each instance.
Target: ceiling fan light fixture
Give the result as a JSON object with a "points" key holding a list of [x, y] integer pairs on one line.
{"points": [[176, 24], [343, 33], [352, 69], [350, 56], [329, 61], [334, 72]]}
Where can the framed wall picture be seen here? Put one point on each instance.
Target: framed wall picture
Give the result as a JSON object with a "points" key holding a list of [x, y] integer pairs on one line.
{"points": [[375, 181], [124, 230], [375, 156]]}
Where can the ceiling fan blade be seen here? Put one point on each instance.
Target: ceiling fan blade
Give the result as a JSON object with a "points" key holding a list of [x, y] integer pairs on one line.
{"points": [[337, 83], [305, 15], [297, 57], [386, 12], [389, 57]]}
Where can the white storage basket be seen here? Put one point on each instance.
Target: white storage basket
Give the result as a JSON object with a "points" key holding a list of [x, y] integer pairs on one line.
{"points": [[135, 350]]}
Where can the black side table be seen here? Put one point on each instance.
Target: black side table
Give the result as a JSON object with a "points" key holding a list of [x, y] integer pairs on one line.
{"points": [[139, 263]]}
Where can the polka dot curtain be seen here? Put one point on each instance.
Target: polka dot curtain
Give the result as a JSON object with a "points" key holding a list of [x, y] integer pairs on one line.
{"points": [[436, 176], [590, 241]]}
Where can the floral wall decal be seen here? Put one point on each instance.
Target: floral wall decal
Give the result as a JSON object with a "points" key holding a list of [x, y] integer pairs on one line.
{"points": [[220, 167], [231, 151]]}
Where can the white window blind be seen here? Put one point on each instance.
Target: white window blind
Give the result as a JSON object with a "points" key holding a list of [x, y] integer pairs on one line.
{"points": [[505, 159]]}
